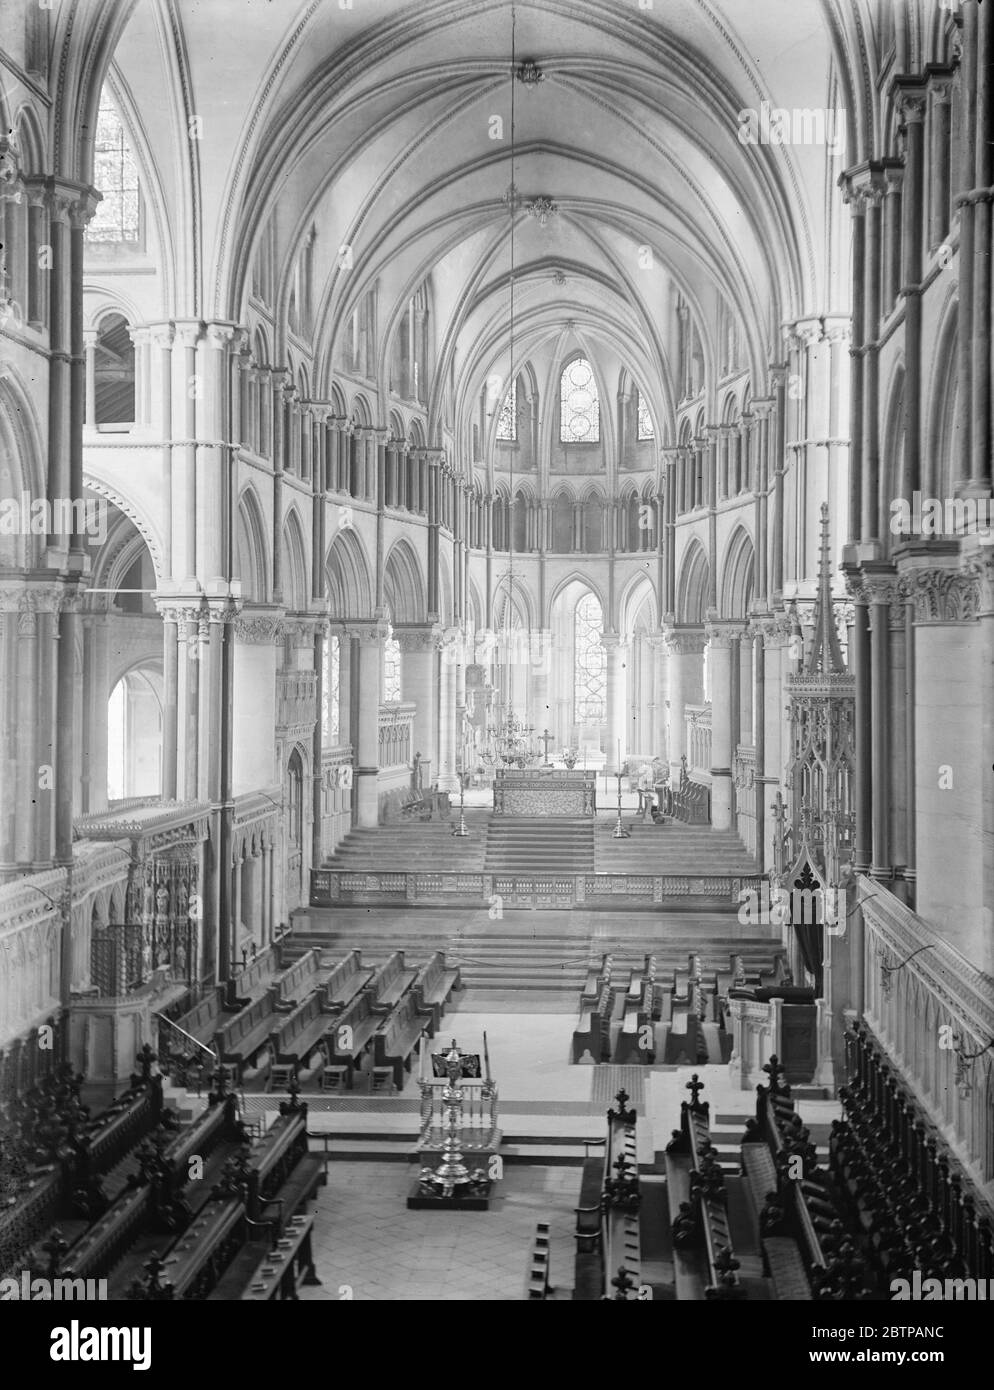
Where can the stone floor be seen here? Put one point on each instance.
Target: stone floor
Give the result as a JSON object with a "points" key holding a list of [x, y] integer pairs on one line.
{"points": [[368, 1246]]}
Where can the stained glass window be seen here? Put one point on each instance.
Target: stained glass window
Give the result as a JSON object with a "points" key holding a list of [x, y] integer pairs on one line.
{"points": [[589, 662], [507, 416], [391, 670], [645, 429], [579, 406], [115, 175], [330, 690]]}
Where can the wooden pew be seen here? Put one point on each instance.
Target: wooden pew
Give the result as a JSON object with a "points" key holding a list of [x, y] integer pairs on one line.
{"points": [[299, 980], [396, 1038], [594, 1023], [238, 1040], [434, 985], [622, 1258], [265, 1273], [254, 980], [352, 1030], [638, 1016], [203, 1021], [301, 1031], [197, 1259], [281, 1169], [98, 1250], [709, 1196], [390, 983], [597, 977], [346, 980]]}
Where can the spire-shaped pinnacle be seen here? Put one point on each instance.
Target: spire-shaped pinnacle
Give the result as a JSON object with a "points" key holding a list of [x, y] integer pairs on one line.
{"points": [[826, 655]]}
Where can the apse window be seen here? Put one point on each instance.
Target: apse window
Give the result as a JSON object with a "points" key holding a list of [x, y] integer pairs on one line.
{"points": [[118, 218], [579, 405], [507, 417], [645, 428], [589, 662]]}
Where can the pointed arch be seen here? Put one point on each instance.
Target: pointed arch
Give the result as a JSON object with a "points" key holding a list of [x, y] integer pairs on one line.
{"points": [[736, 588], [21, 471], [638, 607], [251, 548], [403, 585], [295, 570], [347, 576], [692, 591]]}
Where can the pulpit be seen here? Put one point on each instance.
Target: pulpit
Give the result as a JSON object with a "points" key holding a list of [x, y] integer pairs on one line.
{"points": [[545, 791]]}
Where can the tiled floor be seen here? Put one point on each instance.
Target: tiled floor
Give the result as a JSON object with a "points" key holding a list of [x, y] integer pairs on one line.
{"points": [[367, 1245]]}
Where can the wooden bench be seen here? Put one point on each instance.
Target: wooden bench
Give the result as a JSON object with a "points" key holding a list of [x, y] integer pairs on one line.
{"points": [[346, 980], [203, 1021], [352, 1030], [254, 980], [390, 983], [594, 1024], [434, 985], [638, 1016], [398, 1036], [709, 1196], [300, 1032], [299, 979], [197, 1259], [275, 1274], [597, 978], [247, 1033]]}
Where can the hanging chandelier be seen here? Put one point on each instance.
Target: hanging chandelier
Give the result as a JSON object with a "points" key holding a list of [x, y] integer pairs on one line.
{"points": [[508, 743]]}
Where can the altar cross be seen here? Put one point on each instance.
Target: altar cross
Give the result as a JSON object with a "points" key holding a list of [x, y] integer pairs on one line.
{"points": [[545, 738]]}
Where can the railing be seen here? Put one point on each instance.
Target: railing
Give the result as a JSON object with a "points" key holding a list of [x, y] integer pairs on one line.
{"points": [[697, 725], [920, 989], [342, 887], [396, 735], [116, 966]]}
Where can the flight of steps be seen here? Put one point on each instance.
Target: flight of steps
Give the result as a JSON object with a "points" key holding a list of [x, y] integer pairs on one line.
{"points": [[414, 847], [529, 845], [504, 959], [672, 848]]}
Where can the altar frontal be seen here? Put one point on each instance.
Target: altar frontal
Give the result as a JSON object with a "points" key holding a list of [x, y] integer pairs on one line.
{"points": [[545, 792]]}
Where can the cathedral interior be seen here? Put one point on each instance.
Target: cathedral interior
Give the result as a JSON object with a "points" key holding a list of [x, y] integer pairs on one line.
{"points": [[495, 523]]}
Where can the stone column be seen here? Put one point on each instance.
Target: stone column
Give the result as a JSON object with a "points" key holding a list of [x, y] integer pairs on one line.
{"points": [[966, 205], [913, 104], [983, 193], [723, 641], [770, 773], [419, 648], [447, 730], [370, 649], [880, 593], [267, 891], [941, 84], [617, 730], [90, 348], [685, 647]]}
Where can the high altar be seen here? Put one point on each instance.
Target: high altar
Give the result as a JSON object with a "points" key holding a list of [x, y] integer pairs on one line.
{"points": [[545, 791]]}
